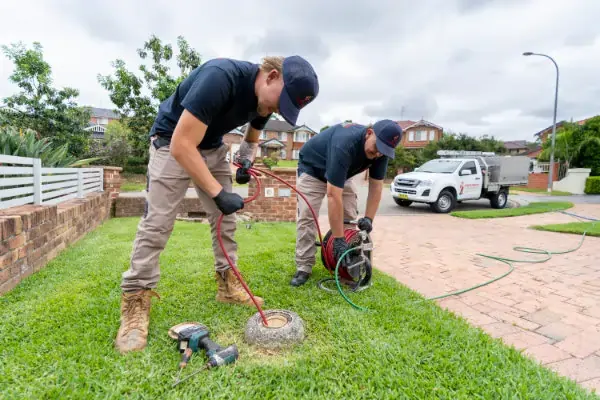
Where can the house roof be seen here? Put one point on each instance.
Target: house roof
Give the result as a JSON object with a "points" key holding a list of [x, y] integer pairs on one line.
{"points": [[515, 144], [303, 126], [405, 124], [413, 124], [559, 124], [272, 143], [104, 113], [236, 131], [277, 126]]}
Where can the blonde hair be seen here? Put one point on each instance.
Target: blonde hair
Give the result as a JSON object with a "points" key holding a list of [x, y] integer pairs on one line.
{"points": [[272, 62]]}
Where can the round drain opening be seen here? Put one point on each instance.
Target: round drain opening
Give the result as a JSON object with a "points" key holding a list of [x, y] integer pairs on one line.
{"points": [[276, 321], [285, 328]]}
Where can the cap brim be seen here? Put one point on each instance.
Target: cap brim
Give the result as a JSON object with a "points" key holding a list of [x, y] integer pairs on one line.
{"points": [[385, 149], [287, 109]]}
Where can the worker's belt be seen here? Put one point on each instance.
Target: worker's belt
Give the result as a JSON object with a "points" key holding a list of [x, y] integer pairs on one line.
{"points": [[160, 141]]}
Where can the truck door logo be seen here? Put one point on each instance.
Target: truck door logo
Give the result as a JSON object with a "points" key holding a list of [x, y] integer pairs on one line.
{"points": [[462, 187]]}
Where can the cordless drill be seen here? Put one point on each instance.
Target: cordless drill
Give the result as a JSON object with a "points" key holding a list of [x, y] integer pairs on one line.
{"points": [[192, 338]]}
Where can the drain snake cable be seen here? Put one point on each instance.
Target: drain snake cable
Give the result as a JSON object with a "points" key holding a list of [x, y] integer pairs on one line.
{"points": [[507, 261]]}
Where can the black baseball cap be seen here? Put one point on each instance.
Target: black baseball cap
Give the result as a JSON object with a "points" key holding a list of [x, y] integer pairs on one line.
{"points": [[300, 87], [388, 134]]}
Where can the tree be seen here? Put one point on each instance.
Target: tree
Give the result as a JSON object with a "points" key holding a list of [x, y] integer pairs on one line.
{"points": [[403, 159], [52, 113], [588, 155], [575, 144], [115, 148], [137, 98]]}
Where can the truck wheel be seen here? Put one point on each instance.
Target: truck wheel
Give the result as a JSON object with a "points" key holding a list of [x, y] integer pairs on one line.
{"points": [[445, 203], [403, 203], [499, 199]]}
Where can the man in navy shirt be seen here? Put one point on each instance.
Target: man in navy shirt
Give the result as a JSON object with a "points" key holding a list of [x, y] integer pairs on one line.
{"points": [[327, 163], [187, 143]]}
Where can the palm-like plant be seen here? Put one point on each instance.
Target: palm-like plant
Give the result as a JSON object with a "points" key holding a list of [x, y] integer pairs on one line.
{"points": [[26, 143]]}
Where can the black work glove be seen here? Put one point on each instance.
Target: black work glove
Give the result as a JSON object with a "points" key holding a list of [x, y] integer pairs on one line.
{"points": [[241, 175], [340, 247], [365, 224], [228, 202]]}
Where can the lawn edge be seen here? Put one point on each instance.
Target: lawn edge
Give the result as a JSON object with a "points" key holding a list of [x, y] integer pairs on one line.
{"points": [[473, 213]]}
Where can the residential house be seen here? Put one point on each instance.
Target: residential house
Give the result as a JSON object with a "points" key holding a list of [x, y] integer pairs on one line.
{"points": [[417, 134], [278, 137], [515, 147], [546, 133], [99, 121]]}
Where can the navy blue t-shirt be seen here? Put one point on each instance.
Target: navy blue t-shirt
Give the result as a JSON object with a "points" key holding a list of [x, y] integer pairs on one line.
{"points": [[337, 154], [219, 93]]}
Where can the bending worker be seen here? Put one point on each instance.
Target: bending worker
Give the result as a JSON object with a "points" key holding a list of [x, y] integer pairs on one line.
{"points": [[186, 143], [327, 163]]}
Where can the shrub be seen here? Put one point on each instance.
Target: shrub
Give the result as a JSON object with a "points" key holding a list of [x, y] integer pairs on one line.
{"points": [[270, 162], [27, 143], [592, 185]]}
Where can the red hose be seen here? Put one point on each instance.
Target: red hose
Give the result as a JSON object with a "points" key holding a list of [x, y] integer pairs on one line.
{"points": [[330, 260], [233, 267]]}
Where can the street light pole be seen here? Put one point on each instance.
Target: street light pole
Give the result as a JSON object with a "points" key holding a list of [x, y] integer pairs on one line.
{"points": [[551, 171]]}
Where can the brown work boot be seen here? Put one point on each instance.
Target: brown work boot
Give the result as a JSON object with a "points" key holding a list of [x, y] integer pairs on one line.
{"points": [[231, 290], [135, 317]]}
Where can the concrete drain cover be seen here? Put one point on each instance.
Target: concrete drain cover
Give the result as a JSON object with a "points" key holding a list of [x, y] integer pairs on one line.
{"points": [[285, 328]]}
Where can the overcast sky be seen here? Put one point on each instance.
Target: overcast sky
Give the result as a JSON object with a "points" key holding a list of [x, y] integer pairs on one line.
{"points": [[456, 63]]}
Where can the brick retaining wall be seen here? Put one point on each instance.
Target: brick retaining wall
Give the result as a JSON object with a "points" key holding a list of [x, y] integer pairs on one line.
{"points": [[30, 235], [276, 208], [540, 180], [282, 205]]}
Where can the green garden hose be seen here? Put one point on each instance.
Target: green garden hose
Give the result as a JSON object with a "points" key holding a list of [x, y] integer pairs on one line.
{"points": [[508, 261]]}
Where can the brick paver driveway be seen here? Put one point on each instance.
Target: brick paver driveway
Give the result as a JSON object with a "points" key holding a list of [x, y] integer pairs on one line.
{"points": [[550, 311]]}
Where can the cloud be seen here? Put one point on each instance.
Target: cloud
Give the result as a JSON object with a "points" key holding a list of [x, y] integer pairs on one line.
{"points": [[415, 107], [280, 42]]}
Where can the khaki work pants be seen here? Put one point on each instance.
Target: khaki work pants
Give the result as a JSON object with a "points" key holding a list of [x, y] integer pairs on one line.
{"points": [[306, 230], [167, 186]]}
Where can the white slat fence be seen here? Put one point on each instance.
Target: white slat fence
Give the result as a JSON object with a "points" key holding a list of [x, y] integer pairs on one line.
{"points": [[24, 181]]}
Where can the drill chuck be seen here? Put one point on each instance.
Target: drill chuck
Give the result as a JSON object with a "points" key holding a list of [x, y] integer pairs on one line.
{"points": [[224, 356]]}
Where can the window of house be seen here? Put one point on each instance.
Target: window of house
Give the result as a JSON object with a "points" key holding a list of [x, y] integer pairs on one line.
{"points": [[421, 136], [301, 136], [283, 154], [431, 135], [295, 154], [263, 135], [282, 136], [411, 136]]}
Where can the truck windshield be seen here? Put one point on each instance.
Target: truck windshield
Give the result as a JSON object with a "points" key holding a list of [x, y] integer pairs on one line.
{"points": [[440, 166]]}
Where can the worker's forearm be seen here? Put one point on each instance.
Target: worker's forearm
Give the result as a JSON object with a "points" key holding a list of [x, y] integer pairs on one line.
{"points": [[252, 135], [335, 208], [373, 199], [188, 156]]}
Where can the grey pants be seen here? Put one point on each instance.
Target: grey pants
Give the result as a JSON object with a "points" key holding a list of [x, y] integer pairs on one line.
{"points": [[167, 185], [306, 230]]}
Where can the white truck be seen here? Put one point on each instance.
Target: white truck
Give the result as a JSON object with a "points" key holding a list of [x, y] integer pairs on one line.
{"points": [[461, 175]]}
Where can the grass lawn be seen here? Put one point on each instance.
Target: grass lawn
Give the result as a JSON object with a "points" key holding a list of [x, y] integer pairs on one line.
{"points": [[531, 208], [133, 183], [516, 190], [592, 228], [287, 163], [58, 328]]}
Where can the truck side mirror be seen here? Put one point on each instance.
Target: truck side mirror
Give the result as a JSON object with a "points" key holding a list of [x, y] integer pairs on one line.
{"points": [[465, 172]]}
